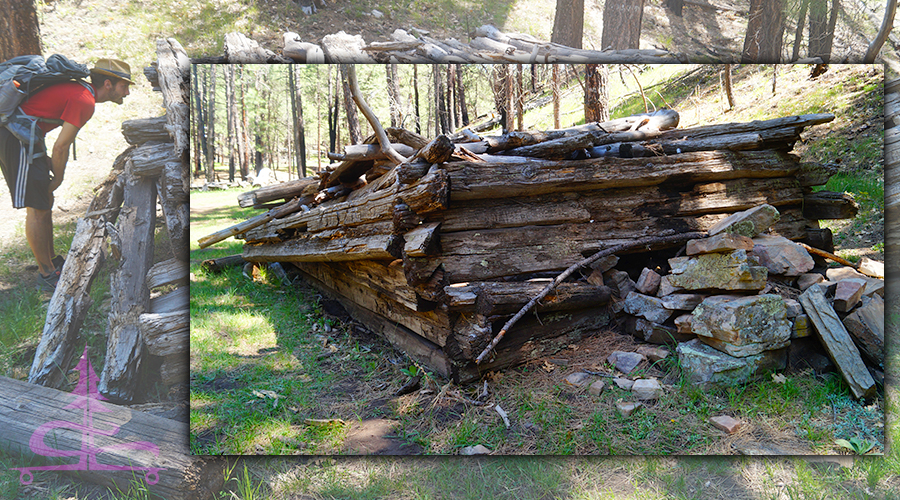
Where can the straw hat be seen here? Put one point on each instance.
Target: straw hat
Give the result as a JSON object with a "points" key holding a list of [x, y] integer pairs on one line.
{"points": [[114, 68]]}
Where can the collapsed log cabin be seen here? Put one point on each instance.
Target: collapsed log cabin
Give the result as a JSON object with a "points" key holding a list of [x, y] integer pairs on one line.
{"points": [[439, 251]]}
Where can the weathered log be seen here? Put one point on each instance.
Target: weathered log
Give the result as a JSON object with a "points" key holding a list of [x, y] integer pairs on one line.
{"points": [[143, 130], [837, 342], [372, 241], [373, 203], [241, 50], [486, 254], [28, 410], [404, 136], [421, 241], [473, 180], [168, 272], [343, 48], [175, 369], [506, 298], [276, 213], [302, 52], [379, 298], [149, 159], [621, 205], [286, 190], [165, 334], [222, 263], [361, 152], [69, 305], [829, 205], [174, 300], [130, 296], [435, 152], [799, 122], [173, 70]]}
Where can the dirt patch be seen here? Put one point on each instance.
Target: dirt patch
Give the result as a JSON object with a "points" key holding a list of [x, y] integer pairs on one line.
{"points": [[377, 437]]}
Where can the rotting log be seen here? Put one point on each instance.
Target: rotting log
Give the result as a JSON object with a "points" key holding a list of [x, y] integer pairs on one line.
{"points": [[368, 205], [829, 205], [421, 241], [168, 272], [143, 130], [175, 369], [473, 180], [379, 276], [173, 199], [837, 342], [174, 300], [359, 152], [27, 409], [241, 50], [222, 263], [130, 295], [372, 241], [165, 334], [69, 305], [506, 298], [150, 158], [286, 190]]}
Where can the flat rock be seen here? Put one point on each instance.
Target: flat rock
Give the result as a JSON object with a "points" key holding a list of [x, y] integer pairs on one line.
{"points": [[873, 285], [606, 263], [648, 282], [646, 389], [781, 255], [596, 388], [474, 450], [683, 301], [792, 308], [722, 242], [683, 324], [726, 423], [866, 326], [666, 287], [624, 361], [749, 222], [807, 280], [871, 268], [626, 408], [654, 354], [647, 307], [724, 271], [623, 383], [847, 294], [619, 282], [743, 325], [578, 379], [709, 367]]}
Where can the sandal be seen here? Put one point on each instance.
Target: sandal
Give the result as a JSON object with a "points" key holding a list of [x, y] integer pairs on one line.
{"points": [[48, 283]]}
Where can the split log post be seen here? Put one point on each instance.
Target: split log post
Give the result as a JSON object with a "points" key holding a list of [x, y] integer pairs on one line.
{"points": [[652, 240], [25, 407], [298, 188], [130, 295]]}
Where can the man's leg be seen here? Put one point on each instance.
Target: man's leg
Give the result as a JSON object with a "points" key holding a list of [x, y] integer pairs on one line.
{"points": [[39, 233]]}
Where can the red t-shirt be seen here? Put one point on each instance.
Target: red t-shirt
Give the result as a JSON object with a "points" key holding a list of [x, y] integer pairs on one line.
{"points": [[71, 102]]}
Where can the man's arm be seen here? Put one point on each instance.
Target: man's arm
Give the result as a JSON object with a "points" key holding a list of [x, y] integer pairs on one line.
{"points": [[61, 153]]}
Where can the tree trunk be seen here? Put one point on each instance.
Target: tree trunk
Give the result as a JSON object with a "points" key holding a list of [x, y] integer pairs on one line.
{"points": [[416, 96], [211, 126], [231, 112], [622, 24], [21, 32], [568, 24], [350, 108], [596, 93], [461, 93], [554, 84], [821, 28], [729, 93], [762, 43], [883, 32], [199, 124], [798, 34], [393, 86], [244, 141], [300, 127]]}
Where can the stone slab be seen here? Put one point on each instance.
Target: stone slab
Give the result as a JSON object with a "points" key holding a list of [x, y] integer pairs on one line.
{"points": [[709, 367], [749, 222], [743, 320], [647, 307], [730, 271], [722, 242]]}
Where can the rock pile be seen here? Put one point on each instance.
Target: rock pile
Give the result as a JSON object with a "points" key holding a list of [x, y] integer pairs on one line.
{"points": [[731, 306]]}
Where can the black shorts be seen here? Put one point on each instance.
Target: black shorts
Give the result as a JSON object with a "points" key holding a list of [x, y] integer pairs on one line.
{"points": [[29, 185]]}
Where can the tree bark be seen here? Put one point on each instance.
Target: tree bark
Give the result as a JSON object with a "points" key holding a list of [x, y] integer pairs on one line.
{"points": [[21, 32], [461, 93], [554, 89], [762, 43], [798, 34], [230, 113], [622, 25], [393, 87], [350, 108], [301, 127], [729, 93], [596, 93], [568, 24], [200, 149], [821, 28], [211, 126]]}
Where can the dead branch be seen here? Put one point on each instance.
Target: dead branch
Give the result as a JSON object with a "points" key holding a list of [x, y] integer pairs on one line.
{"points": [[650, 240], [383, 140], [828, 255]]}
